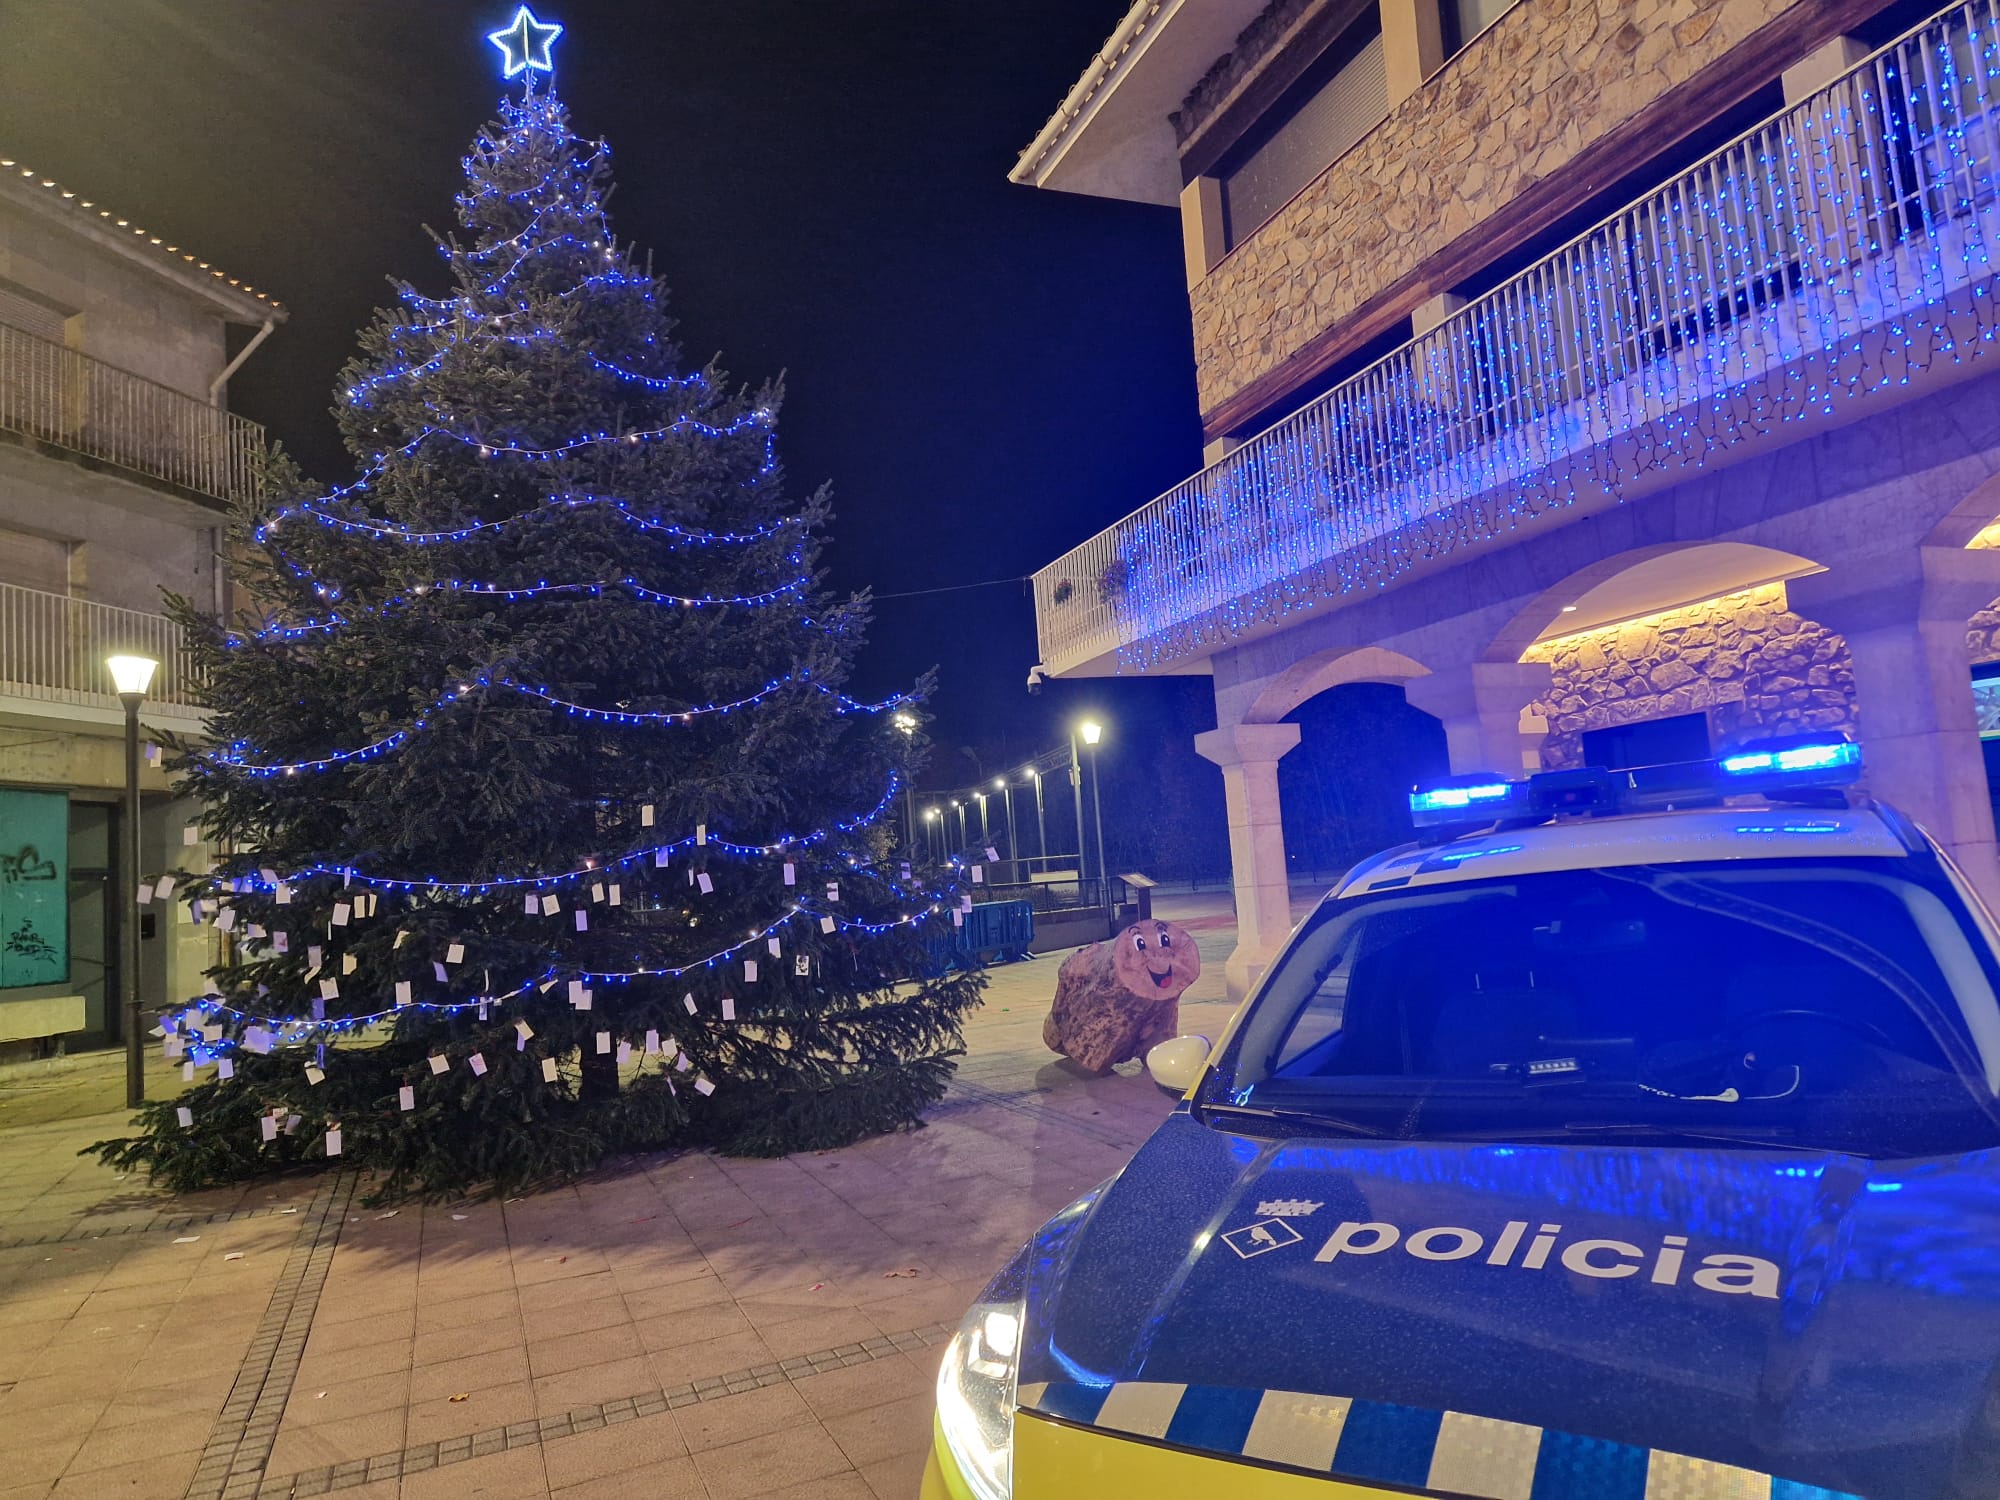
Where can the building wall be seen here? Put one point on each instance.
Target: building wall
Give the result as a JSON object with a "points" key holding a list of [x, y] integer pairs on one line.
{"points": [[1548, 80], [129, 318], [1745, 659], [127, 542]]}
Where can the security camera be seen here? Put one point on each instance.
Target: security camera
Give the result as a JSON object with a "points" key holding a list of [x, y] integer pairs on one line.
{"points": [[1035, 675]]}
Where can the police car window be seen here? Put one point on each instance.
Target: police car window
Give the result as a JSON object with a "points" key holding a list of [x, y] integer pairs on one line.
{"points": [[1811, 993]]}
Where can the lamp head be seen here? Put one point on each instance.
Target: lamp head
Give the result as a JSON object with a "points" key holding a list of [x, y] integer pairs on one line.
{"points": [[132, 675], [999, 783], [930, 813], [1091, 730]]}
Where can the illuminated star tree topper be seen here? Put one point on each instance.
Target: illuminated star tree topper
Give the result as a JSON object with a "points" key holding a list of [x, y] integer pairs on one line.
{"points": [[526, 43]]}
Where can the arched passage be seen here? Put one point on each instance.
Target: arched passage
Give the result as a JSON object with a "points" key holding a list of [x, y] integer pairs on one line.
{"points": [[1312, 675], [1669, 653], [1345, 789]]}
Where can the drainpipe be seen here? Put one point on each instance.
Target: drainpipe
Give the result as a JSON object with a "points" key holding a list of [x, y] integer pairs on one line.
{"points": [[215, 386]]}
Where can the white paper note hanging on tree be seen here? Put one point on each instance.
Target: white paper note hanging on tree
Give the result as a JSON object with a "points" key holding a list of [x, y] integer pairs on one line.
{"points": [[701, 833], [329, 989], [749, 971], [225, 1069], [551, 905], [333, 1141], [548, 1070], [341, 912], [315, 1075], [225, 920], [617, 896], [438, 969], [523, 1030], [992, 855], [728, 1007], [827, 924], [624, 1053], [185, 1116], [688, 1001], [455, 954], [703, 1087], [646, 816], [477, 1062], [582, 920], [190, 834], [575, 991], [281, 942], [439, 1062], [406, 1098], [707, 885], [978, 875], [659, 859], [597, 890], [833, 890], [402, 992], [531, 905], [791, 873], [165, 888], [776, 948], [268, 1127], [284, 894], [801, 964], [582, 1002], [187, 1072], [652, 1042], [145, 894], [349, 963], [175, 1047], [603, 1044]]}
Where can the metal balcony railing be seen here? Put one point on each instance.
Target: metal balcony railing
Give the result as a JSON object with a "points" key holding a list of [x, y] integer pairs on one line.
{"points": [[52, 647], [55, 394], [1831, 252]]}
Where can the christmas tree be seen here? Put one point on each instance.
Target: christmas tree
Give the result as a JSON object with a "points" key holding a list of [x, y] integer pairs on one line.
{"points": [[548, 828]]}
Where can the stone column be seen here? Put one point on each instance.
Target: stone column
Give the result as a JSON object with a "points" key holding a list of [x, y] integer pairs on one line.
{"points": [[1481, 704], [1248, 755], [1412, 45], [1904, 620]]}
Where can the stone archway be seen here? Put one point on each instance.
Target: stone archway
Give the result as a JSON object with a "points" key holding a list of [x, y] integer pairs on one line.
{"points": [[1312, 675], [1679, 646]]}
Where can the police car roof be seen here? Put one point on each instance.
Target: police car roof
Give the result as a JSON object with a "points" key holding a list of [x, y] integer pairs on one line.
{"points": [[1649, 838]]}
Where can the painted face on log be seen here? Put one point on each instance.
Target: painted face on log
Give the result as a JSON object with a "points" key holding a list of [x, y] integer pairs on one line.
{"points": [[1156, 959]]}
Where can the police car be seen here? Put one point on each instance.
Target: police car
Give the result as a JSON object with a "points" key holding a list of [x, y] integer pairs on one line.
{"points": [[1633, 1136]]}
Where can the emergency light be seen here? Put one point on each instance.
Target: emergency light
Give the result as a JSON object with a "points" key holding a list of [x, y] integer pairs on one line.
{"points": [[1800, 768]]}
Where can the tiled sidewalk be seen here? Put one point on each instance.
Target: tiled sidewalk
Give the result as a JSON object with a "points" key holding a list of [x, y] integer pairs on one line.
{"points": [[679, 1325]]}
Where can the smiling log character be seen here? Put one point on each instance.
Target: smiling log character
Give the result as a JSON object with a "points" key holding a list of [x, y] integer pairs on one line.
{"points": [[1116, 999]]}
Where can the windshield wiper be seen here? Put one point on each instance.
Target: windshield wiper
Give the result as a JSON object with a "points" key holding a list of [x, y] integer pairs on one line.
{"points": [[1574, 1128], [1297, 1119]]}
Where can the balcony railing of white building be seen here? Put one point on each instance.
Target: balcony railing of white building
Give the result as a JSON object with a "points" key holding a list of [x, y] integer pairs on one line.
{"points": [[1835, 251], [59, 396], [53, 648]]}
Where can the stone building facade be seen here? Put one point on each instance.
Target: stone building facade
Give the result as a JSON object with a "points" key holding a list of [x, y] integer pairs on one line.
{"points": [[1576, 365], [1745, 660]]}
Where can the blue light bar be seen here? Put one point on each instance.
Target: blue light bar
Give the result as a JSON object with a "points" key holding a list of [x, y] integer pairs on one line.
{"points": [[1804, 760], [1471, 802]]}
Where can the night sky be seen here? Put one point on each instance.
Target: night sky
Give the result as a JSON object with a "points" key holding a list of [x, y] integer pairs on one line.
{"points": [[986, 374]]}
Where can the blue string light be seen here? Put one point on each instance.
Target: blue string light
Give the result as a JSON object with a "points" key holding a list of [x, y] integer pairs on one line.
{"points": [[392, 531], [235, 759], [640, 858]]}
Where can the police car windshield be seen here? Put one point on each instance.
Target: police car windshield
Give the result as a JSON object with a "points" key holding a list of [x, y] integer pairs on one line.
{"points": [[1833, 1005]]}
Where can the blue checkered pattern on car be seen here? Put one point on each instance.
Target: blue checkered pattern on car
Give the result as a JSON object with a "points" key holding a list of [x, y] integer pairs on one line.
{"points": [[1444, 1452]]}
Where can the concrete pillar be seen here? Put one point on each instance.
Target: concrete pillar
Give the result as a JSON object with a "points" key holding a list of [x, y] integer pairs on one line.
{"points": [[1432, 311], [1203, 238], [1904, 620], [1215, 452], [1412, 45], [1821, 66], [1249, 755], [1481, 704]]}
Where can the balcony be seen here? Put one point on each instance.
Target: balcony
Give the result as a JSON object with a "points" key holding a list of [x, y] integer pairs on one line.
{"points": [[1840, 254], [52, 651], [54, 395]]}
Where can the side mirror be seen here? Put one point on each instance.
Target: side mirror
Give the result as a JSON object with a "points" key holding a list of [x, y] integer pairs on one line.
{"points": [[1176, 1064]]}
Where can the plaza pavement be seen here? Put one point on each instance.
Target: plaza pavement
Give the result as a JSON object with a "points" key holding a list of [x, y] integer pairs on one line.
{"points": [[677, 1325]]}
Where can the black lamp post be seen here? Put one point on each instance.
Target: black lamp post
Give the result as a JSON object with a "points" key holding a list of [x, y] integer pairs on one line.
{"points": [[132, 675]]}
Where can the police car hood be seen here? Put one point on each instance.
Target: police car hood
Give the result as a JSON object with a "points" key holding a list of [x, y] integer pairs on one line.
{"points": [[1827, 1319]]}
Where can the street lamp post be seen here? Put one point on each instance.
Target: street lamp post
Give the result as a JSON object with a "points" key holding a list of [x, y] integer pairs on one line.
{"points": [[1013, 839], [1092, 732], [908, 725], [930, 822], [1076, 796], [132, 675], [985, 833], [1041, 826], [959, 808]]}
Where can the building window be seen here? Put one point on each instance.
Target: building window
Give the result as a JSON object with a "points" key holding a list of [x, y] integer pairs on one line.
{"points": [[1462, 20], [1343, 96]]}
